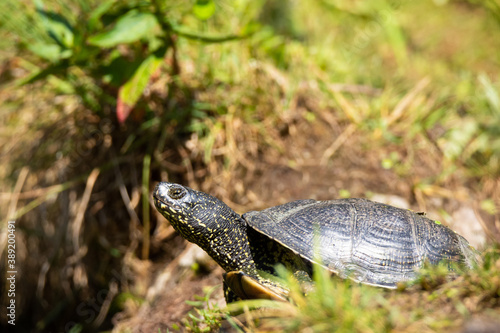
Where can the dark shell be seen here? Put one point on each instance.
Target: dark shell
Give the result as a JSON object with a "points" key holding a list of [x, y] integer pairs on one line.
{"points": [[369, 242]]}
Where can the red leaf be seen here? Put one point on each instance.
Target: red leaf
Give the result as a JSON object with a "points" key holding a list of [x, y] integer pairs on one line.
{"points": [[122, 109]]}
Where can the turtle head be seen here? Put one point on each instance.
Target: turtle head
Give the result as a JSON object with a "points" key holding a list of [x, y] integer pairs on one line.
{"points": [[197, 216]]}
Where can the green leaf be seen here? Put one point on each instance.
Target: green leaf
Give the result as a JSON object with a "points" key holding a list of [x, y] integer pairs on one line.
{"points": [[42, 74], [204, 9], [57, 26], [96, 14], [183, 32], [51, 52], [132, 90], [76, 329], [119, 70], [129, 28]]}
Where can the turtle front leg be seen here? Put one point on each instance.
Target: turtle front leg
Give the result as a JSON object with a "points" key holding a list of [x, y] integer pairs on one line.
{"points": [[229, 294], [239, 286]]}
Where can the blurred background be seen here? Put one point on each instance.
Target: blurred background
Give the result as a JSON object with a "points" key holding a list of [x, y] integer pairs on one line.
{"points": [[256, 102]]}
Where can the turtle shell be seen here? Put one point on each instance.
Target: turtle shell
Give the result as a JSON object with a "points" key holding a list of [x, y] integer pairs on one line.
{"points": [[366, 241]]}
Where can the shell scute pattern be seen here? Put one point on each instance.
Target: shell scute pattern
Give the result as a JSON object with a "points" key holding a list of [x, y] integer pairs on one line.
{"points": [[385, 245], [441, 242], [367, 241]]}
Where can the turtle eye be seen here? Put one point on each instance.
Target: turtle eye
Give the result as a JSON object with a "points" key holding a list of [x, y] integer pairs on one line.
{"points": [[176, 192]]}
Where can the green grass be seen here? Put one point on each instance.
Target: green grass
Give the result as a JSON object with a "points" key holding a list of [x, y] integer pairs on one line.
{"points": [[205, 317], [435, 301]]}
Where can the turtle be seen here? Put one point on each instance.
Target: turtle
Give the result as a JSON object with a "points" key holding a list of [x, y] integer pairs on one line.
{"points": [[366, 241]]}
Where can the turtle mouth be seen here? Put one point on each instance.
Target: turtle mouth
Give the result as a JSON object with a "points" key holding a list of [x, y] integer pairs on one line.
{"points": [[165, 207], [158, 202], [160, 196]]}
